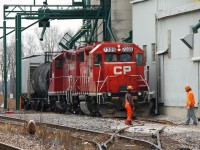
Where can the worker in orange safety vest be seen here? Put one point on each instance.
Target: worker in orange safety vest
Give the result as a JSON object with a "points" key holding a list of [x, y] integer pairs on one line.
{"points": [[190, 106], [129, 105]]}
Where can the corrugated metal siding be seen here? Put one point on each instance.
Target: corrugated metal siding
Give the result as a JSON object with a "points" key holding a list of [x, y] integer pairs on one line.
{"points": [[170, 4]]}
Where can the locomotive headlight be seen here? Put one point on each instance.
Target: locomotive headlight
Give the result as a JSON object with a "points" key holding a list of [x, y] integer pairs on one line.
{"points": [[109, 94], [139, 93]]}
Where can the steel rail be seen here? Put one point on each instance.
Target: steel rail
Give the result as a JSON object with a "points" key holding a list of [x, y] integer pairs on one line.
{"points": [[5, 146]]}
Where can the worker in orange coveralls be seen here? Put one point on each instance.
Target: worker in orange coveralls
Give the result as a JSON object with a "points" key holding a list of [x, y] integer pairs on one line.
{"points": [[190, 106], [129, 105]]}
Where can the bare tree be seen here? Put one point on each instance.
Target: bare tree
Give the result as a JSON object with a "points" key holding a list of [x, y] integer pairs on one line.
{"points": [[11, 57], [30, 45]]}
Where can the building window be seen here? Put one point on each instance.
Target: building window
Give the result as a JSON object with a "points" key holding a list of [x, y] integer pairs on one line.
{"points": [[153, 50], [169, 43], [145, 54]]}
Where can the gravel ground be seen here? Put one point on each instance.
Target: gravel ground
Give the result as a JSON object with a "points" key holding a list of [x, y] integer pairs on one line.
{"points": [[173, 136]]}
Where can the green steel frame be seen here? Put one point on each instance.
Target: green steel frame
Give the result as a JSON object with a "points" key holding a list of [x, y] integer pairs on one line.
{"points": [[5, 65], [45, 13]]}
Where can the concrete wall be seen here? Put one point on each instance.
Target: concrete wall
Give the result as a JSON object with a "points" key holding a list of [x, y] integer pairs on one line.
{"points": [[179, 112], [120, 17]]}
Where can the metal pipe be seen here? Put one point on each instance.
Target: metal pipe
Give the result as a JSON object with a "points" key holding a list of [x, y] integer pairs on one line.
{"points": [[5, 65], [198, 94], [42, 34], [88, 2], [108, 27], [18, 59], [157, 65]]}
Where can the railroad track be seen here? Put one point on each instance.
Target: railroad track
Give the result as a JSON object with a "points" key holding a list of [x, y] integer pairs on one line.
{"points": [[102, 145], [4, 146]]}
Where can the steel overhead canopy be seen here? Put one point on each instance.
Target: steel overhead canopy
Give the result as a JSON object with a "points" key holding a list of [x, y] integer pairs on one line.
{"points": [[55, 11], [72, 14]]}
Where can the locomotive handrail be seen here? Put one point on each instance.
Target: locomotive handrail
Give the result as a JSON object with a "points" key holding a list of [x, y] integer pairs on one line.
{"points": [[105, 81], [144, 81], [98, 79], [98, 83], [146, 85], [68, 77]]}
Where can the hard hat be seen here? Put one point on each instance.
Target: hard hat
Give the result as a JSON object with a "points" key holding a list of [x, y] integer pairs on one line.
{"points": [[129, 87], [187, 87]]}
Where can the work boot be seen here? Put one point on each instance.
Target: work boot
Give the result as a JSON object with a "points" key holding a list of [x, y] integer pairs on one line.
{"points": [[128, 122]]}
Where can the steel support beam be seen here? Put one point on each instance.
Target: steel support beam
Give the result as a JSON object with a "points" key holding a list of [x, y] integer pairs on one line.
{"points": [[71, 12], [18, 59], [5, 65]]}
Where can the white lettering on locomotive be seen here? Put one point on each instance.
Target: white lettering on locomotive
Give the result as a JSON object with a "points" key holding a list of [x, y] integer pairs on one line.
{"points": [[122, 69]]}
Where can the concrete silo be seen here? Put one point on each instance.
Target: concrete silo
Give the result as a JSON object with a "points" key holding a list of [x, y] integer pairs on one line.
{"points": [[121, 17]]}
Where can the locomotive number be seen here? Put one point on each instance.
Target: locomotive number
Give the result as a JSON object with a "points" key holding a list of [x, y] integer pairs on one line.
{"points": [[122, 69]]}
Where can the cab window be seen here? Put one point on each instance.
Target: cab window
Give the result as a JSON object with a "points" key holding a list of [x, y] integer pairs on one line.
{"points": [[59, 63], [81, 57], [98, 59], [72, 57], [138, 58], [125, 57], [111, 57]]}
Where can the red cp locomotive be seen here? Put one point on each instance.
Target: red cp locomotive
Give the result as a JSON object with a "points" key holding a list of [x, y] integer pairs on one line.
{"points": [[93, 79]]}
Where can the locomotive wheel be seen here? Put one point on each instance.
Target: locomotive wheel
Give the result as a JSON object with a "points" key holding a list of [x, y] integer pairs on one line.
{"points": [[88, 108]]}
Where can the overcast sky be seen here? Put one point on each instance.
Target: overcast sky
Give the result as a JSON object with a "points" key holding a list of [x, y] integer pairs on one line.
{"points": [[63, 24]]}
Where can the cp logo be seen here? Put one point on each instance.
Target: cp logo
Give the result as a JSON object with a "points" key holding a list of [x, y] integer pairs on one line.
{"points": [[122, 69]]}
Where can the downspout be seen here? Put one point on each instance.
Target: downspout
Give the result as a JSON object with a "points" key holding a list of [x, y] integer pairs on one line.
{"points": [[157, 65], [198, 115]]}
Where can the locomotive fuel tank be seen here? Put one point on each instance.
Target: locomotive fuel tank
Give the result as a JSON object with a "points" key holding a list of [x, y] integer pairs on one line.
{"points": [[40, 80]]}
